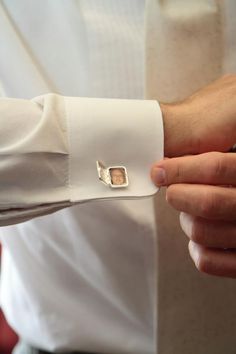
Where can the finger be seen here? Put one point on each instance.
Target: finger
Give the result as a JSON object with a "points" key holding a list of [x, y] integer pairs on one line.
{"points": [[213, 261], [209, 233], [214, 168], [210, 202]]}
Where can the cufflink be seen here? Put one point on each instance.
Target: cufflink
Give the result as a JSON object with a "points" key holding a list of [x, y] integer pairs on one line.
{"points": [[113, 176]]}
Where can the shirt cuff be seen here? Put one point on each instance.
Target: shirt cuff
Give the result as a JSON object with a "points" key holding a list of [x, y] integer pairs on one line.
{"points": [[116, 132]]}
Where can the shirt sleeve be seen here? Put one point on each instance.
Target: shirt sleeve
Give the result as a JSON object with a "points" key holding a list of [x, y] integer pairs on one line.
{"points": [[49, 147]]}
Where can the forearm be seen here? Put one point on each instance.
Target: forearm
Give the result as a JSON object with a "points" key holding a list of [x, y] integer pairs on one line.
{"points": [[203, 122], [176, 140]]}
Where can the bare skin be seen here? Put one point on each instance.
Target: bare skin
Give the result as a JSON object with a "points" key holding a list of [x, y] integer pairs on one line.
{"points": [[202, 185], [117, 176]]}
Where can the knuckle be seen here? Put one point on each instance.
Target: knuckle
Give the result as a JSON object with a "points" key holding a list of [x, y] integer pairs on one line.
{"points": [[177, 175], [208, 205], [217, 166]]}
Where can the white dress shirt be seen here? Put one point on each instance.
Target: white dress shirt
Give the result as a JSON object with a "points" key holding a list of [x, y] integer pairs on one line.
{"points": [[83, 278]]}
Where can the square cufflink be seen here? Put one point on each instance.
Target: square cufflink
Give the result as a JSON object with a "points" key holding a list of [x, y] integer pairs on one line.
{"points": [[113, 176]]}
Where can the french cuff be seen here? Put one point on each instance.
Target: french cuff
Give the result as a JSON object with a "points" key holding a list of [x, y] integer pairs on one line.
{"points": [[127, 134]]}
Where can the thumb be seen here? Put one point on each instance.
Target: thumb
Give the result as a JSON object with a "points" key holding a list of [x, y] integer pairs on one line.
{"points": [[213, 168]]}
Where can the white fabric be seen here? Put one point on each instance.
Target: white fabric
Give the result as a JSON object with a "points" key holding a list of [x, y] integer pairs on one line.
{"points": [[82, 278]]}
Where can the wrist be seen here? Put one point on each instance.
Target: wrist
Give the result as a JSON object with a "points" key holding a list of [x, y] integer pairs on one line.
{"points": [[179, 137]]}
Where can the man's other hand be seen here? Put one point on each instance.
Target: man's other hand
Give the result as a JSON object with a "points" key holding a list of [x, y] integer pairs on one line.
{"points": [[203, 188]]}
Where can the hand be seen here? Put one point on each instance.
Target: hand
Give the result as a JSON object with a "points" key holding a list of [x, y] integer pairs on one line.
{"points": [[202, 187], [206, 121]]}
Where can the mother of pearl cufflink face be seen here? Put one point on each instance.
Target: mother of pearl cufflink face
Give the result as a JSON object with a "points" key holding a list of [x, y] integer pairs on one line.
{"points": [[113, 176]]}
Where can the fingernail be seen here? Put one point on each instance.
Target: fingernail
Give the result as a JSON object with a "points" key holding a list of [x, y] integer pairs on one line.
{"points": [[193, 251], [186, 223], [159, 176], [191, 247]]}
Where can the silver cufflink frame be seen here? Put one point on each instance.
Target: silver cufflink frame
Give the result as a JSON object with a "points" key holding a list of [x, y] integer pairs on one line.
{"points": [[113, 176]]}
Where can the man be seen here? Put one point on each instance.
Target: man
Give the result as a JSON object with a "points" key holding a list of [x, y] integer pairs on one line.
{"points": [[84, 279]]}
